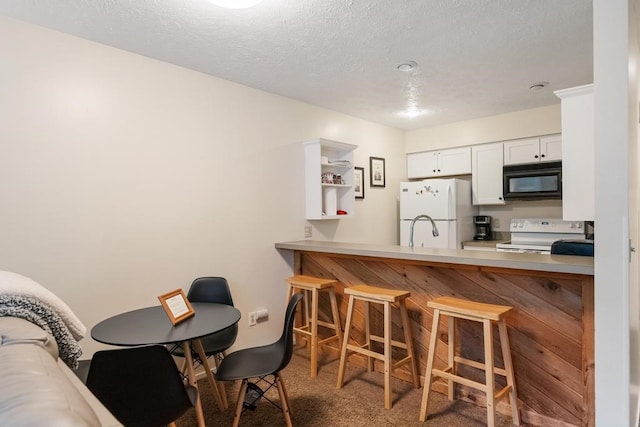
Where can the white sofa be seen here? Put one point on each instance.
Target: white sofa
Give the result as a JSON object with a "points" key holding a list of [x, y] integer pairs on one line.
{"points": [[38, 388], [39, 335]]}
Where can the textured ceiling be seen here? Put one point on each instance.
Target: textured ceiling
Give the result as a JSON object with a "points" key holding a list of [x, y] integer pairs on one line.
{"points": [[475, 58]]}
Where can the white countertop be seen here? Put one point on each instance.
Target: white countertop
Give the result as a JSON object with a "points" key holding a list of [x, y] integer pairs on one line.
{"points": [[538, 262]]}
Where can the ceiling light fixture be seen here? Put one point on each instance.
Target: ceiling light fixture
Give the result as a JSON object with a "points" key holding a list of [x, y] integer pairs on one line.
{"points": [[235, 4], [411, 90], [411, 113]]}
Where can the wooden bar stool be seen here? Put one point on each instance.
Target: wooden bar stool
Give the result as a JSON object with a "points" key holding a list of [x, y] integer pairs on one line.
{"points": [[386, 297], [309, 329], [485, 314]]}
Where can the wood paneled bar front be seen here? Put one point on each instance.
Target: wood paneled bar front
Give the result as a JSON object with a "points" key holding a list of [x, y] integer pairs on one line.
{"points": [[551, 326]]}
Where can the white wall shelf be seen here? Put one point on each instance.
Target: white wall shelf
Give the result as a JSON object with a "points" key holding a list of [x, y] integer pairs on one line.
{"points": [[324, 156]]}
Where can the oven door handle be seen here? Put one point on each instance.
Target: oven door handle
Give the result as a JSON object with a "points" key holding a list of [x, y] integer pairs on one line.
{"points": [[523, 251]]}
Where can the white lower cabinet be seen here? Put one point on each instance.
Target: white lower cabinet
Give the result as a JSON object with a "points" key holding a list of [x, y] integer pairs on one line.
{"points": [[486, 174]]}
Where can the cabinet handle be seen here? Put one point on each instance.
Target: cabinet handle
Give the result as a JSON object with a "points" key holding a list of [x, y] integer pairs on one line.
{"points": [[434, 170], [542, 155], [535, 157], [438, 170], [499, 198]]}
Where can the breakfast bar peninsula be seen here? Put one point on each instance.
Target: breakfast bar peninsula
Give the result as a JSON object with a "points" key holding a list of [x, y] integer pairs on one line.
{"points": [[551, 326]]}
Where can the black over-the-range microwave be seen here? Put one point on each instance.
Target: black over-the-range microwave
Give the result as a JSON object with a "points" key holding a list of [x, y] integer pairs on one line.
{"points": [[533, 181]]}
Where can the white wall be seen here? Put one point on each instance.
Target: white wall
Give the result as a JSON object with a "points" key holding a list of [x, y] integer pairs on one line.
{"points": [[122, 178], [634, 209], [616, 138], [518, 124]]}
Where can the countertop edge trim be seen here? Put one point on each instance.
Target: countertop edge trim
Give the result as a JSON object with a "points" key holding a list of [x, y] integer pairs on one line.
{"points": [[482, 259]]}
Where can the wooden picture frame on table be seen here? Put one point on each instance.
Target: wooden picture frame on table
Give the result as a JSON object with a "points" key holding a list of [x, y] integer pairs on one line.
{"points": [[177, 306], [358, 182], [376, 172]]}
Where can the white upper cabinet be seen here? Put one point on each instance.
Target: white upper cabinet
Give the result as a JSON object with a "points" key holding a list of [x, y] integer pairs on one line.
{"points": [[551, 148], [485, 161], [578, 165], [421, 165], [486, 176], [525, 150], [329, 179], [532, 150], [427, 164]]}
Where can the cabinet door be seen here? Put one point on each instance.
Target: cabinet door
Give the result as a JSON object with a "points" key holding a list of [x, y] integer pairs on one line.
{"points": [[550, 148], [427, 164], [486, 178], [455, 161], [525, 150], [422, 165], [578, 165]]}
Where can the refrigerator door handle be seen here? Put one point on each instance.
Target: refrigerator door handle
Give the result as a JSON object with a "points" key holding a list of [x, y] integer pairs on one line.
{"points": [[451, 200]]}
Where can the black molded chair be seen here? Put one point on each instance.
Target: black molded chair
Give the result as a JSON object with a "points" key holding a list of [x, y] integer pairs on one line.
{"points": [[261, 362], [141, 386], [212, 290]]}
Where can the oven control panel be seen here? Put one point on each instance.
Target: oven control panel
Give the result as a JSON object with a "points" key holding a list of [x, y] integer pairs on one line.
{"points": [[538, 225]]}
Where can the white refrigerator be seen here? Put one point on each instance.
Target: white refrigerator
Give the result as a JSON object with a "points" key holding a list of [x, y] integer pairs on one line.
{"points": [[447, 202]]}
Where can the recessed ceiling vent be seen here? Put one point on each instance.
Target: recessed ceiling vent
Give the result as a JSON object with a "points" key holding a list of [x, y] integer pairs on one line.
{"points": [[539, 86], [407, 66]]}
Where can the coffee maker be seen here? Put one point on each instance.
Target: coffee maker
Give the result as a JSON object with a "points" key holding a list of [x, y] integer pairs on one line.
{"points": [[483, 227]]}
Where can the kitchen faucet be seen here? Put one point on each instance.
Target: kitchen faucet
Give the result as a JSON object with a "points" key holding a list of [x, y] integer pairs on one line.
{"points": [[434, 229]]}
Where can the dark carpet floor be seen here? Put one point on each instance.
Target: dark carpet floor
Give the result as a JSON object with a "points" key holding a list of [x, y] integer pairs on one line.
{"points": [[318, 403]]}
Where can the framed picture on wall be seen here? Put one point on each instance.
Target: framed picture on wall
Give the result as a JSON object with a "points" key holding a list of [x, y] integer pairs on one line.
{"points": [[358, 182], [376, 172]]}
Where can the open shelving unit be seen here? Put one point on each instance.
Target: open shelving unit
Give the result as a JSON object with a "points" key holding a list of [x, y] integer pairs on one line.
{"points": [[326, 156]]}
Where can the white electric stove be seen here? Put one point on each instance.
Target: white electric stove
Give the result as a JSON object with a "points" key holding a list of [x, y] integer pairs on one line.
{"points": [[536, 235]]}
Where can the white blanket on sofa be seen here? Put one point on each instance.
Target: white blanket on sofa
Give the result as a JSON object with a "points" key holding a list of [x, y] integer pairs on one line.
{"points": [[16, 284], [42, 315]]}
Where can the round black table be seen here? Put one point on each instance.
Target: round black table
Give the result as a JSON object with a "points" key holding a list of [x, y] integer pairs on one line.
{"points": [[151, 325]]}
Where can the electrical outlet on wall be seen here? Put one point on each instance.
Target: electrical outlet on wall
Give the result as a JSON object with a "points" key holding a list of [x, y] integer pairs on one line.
{"points": [[258, 316], [495, 223], [308, 232]]}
